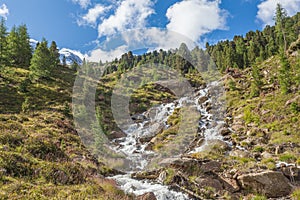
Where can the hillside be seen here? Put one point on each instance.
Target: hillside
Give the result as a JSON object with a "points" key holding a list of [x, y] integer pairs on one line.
{"points": [[41, 154]]}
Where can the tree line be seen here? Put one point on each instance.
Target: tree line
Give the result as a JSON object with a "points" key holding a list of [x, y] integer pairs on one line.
{"points": [[244, 51]]}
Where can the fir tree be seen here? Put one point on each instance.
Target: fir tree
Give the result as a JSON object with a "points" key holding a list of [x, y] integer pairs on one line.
{"points": [[42, 62], [3, 43], [54, 53]]}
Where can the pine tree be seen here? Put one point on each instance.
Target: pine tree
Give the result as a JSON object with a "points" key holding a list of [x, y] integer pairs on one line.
{"points": [[25, 51], [3, 43], [12, 46], [42, 62], [54, 53], [257, 82], [19, 49]]}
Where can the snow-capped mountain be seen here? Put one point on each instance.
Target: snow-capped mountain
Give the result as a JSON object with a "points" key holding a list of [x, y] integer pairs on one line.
{"points": [[70, 55]]}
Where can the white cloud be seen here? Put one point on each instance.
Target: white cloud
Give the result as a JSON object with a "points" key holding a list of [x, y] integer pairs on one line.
{"points": [[149, 38], [193, 18], [266, 9], [99, 54], [4, 11], [125, 29], [82, 3], [130, 14], [93, 14]]}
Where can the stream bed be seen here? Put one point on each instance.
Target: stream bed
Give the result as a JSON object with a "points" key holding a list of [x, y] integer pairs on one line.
{"points": [[138, 156]]}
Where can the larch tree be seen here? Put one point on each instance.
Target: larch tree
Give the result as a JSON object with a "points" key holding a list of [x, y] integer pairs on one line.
{"points": [[280, 19]]}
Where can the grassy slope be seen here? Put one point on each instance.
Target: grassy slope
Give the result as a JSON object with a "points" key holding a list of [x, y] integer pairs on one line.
{"points": [[270, 115], [41, 155]]}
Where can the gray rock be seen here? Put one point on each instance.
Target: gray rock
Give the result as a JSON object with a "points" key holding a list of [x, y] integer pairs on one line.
{"points": [[270, 183], [266, 155], [209, 182], [211, 166], [239, 153]]}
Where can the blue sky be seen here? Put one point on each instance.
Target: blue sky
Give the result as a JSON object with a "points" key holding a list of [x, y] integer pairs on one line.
{"points": [[87, 25]]}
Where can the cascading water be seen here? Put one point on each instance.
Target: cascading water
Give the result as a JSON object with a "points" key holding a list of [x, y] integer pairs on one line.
{"points": [[152, 120]]}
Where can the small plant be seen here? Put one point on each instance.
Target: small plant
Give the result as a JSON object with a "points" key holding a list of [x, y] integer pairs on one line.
{"points": [[295, 108], [67, 110], [269, 163], [250, 117], [259, 197], [258, 149], [296, 194], [27, 105], [170, 175], [23, 87], [232, 85], [287, 158]]}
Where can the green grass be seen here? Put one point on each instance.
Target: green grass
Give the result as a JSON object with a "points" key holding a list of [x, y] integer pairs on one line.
{"points": [[39, 148]]}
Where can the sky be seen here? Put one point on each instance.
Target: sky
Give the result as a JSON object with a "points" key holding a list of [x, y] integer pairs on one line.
{"points": [[104, 29]]}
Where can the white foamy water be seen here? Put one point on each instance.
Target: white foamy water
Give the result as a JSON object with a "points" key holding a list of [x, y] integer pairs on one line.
{"points": [[154, 120], [139, 187]]}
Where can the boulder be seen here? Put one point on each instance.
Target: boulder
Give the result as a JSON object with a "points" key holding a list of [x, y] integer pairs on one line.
{"points": [[145, 139], [291, 172], [209, 182], [211, 166], [230, 185], [269, 183], [202, 99], [117, 134], [239, 153], [147, 196], [146, 175], [138, 118], [224, 131], [266, 155]]}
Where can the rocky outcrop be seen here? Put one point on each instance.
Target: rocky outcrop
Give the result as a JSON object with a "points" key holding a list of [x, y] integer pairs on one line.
{"points": [[270, 183]]}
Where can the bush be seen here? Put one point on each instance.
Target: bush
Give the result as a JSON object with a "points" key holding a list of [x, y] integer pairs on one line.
{"points": [[44, 150], [63, 173], [16, 165]]}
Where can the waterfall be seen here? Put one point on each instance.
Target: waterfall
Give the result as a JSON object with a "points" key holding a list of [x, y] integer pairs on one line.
{"points": [[155, 118]]}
